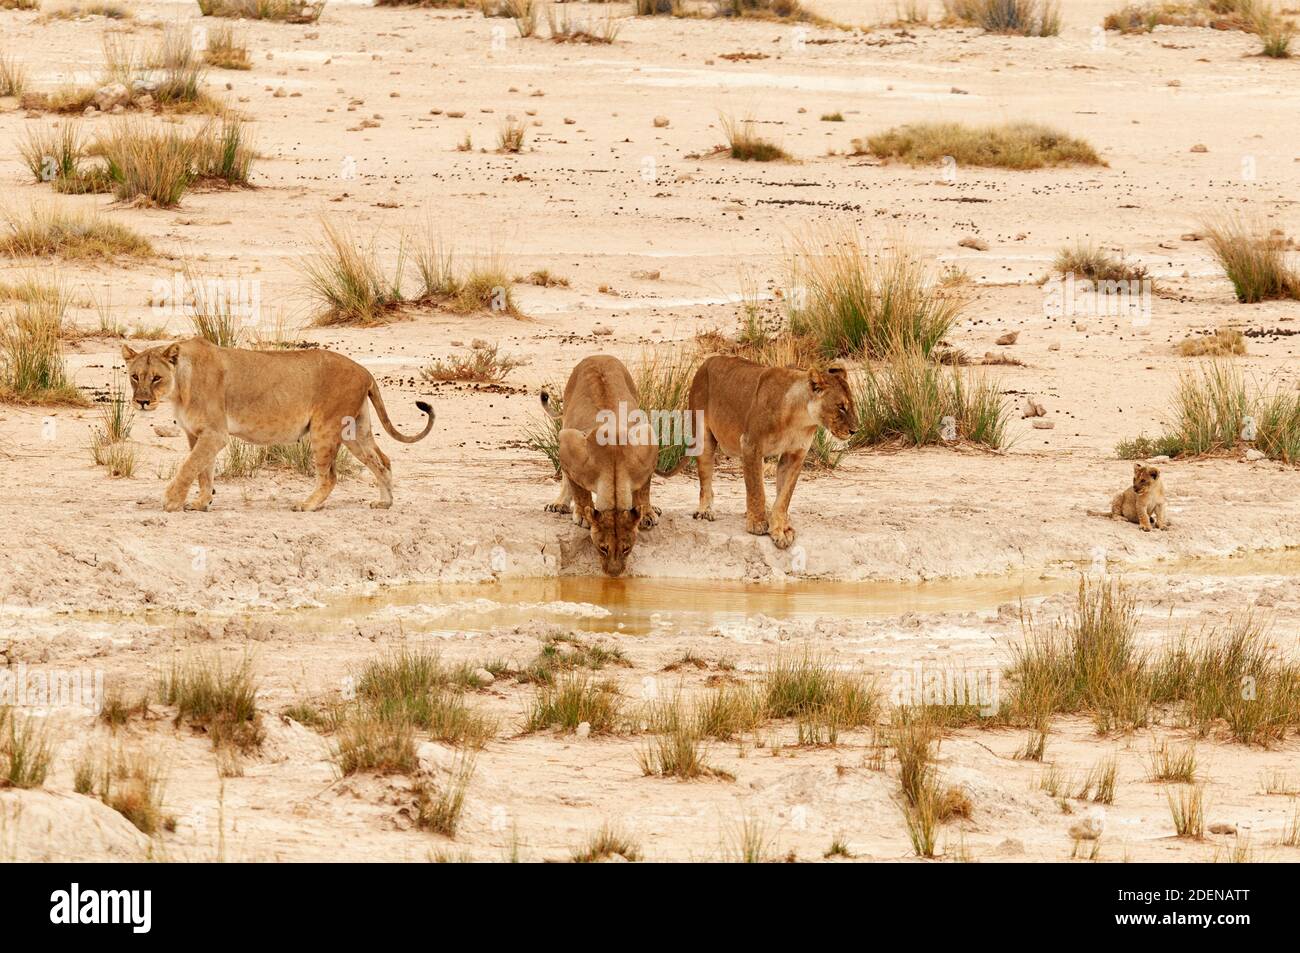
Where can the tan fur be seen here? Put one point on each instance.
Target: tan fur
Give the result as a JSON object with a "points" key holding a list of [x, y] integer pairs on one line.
{"points": [[607, 481], [264, 397], [752, 412], [1143, 502]]}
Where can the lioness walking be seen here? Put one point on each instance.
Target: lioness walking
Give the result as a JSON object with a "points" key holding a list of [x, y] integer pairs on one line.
{"points": [[752, 411], [608, 452], [264, 397]]}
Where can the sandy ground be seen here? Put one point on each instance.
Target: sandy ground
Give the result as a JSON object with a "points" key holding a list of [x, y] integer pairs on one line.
{"points": [[92, 569]]}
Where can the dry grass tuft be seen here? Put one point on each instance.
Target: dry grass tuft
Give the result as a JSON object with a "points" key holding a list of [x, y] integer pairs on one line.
{"points": [[1254, 260], [1017, 146], [605, 844], [857, 300], [51, 231], [1221, 342], [1014, 17], [282, 11], [227, 48], [216, 699], [32, 369], [483, 364], [745, 143]]}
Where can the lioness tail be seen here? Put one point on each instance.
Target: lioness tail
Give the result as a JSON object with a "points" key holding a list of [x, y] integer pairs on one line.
{"points": [[676, 467], [1105, 514], [382, 414]]}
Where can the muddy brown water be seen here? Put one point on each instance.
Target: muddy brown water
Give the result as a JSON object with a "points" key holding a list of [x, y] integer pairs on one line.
{"points": [[640, 606]]}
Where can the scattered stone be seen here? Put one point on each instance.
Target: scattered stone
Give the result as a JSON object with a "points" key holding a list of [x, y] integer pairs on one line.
{"points": [[1223, 829], [166, 430], [1041, 424], [600, 330], [1009, 338], [1190, 237], [484, 676], [661, 122], [1199, 148], [583, 730], [1032, 408], [114, 94], [978, 244], [1087, 829], [1011, 847], [1252, 455]]}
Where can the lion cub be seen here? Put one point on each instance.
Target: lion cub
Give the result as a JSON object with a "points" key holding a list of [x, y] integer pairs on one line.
{"points": [[1143, 502]]}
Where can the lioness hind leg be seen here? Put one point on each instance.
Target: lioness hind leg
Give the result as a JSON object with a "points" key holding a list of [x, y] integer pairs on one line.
{"points": [[562, 502], [365, 450], [325, 441], [704, 467]]}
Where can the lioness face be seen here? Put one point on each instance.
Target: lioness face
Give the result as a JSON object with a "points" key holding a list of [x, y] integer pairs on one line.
{"points": [[1143, 478], [152, 373], [614, 533], [835, 409]]}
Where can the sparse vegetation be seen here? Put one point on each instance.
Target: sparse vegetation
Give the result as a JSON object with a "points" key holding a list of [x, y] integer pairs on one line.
{"points": [[573, 699], [110, 444], [51, 231], [565, 29], [1221, 342], [1019, 146], [1250, 16], [438, 807], [1214, 412], [32, 369], [133, 784], [745, 143], [1096, 264], [1254, 261], [216, 698], [510, 137], [606, 843], [26, 750], [284, 11], [858, 301], [1187, 808], [227, 49], [914, 401], [1170, 764], [1017, 17], [13, 77], [483, 364], [414, 688]]}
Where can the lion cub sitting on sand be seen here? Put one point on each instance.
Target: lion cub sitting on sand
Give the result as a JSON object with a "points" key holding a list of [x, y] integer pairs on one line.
{"points": [[1143, 502]]}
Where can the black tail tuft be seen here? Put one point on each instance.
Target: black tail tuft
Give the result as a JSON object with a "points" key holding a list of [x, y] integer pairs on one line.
{"points": [[424, 406]]}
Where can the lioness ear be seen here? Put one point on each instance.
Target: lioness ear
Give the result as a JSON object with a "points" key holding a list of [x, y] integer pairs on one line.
{"points": [[591, 513], [836, 370], [817, 380], [127, 352], [635, 513], [1154, 473], [171, 354], [1137, 468]]}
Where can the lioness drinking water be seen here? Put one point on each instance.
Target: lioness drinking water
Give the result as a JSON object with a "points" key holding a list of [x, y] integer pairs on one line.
{"points": [[264, 397], [752, 411], [608, 452]]}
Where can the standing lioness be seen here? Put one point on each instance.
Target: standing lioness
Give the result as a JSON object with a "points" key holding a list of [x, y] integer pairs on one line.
{"points": [[264, 397], [752, 411], [608, 453]]}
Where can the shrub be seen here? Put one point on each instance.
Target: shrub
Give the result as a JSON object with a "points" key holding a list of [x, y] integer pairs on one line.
{"points": [[745, 143], [1020, 145], [1254, 262], [855, 301], [32, 370]]}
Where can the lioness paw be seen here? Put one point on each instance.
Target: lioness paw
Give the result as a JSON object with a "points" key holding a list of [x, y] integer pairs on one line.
{"points": [[557, 507], [197, 507], [704, 515], [650, 520], [782, 536], [382, 505], [756, 527]]}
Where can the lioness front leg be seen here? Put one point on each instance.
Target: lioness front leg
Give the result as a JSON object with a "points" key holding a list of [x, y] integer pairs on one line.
{"points": [[1144, 519], [787, 475], [649, 512], [564, 501], [204, 448], [581, 503], [1161, 521], [755, 497], [205, 483]]}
